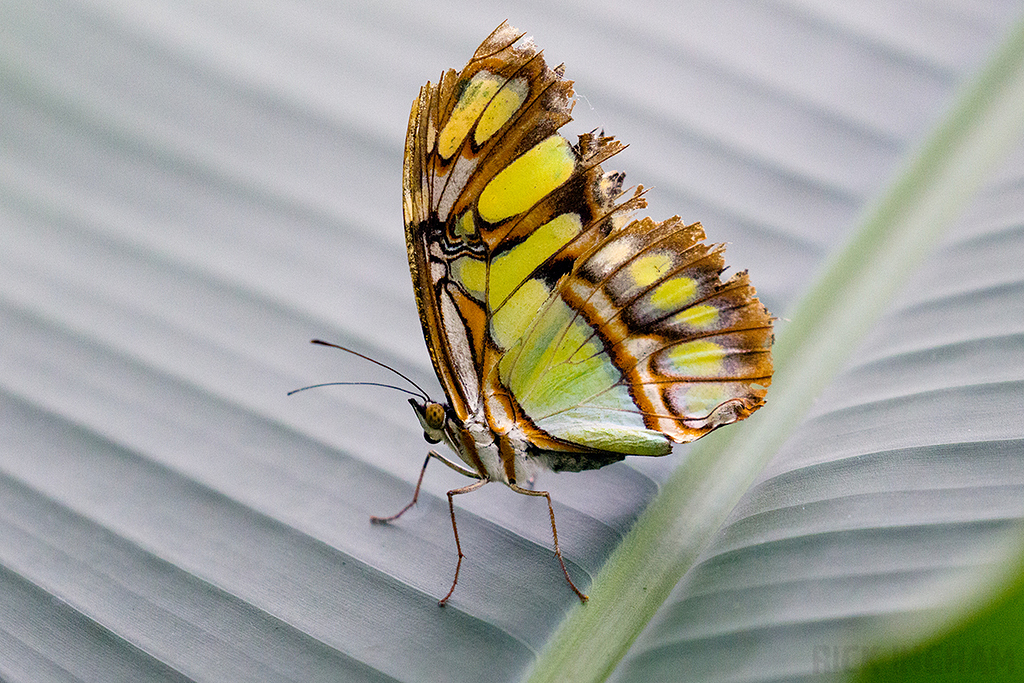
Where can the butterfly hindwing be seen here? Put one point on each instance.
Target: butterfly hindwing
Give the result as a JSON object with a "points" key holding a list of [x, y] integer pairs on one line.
{"points": [[544, 305]]}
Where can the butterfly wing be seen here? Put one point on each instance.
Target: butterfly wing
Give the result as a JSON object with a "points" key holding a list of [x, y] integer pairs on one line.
{"points": [[463, 132], [586, 333], [642, 336]]}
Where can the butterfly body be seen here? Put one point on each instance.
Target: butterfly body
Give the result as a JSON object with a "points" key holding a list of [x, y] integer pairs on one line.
{"points": [[565, 333], [495, 457]]}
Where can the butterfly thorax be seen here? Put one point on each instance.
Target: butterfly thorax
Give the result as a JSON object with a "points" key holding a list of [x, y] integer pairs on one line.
{"points": [[496, 456]]}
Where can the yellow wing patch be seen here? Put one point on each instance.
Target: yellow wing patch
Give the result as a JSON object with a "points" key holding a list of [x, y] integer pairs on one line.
{"points": [[501, 108], [647, 270], [479, 92], [528, 179], [700, 317], [672, 294], [699, 358], [511, 267], [510, 321]]}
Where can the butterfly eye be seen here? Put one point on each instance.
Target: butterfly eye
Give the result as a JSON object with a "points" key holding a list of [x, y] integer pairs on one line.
{"points": [[433, 414]]}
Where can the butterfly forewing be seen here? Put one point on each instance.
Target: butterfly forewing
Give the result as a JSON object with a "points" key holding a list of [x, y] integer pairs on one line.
{"points": [[544, 304]]}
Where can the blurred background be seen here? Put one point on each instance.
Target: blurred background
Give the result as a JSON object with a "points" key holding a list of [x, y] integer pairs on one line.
{"points": [[190, 191]]}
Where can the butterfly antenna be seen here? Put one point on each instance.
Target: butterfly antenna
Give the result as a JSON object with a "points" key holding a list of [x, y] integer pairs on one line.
{"points": [[354, 384], [422, 393]]}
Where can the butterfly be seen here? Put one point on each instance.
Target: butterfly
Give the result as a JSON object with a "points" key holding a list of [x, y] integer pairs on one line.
{"points": [[565, 333]]}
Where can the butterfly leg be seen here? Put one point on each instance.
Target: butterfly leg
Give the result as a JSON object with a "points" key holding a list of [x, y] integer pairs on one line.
{"points": [[458, 546], [554, 532], [419, 482]]}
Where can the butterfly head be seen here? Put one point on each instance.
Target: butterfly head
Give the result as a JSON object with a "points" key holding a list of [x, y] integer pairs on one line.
{"points": [[434, 418]]}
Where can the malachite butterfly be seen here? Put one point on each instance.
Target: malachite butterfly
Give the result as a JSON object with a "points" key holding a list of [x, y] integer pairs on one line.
{"points": [[566, 334]]}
